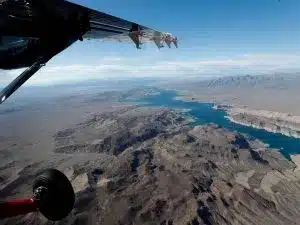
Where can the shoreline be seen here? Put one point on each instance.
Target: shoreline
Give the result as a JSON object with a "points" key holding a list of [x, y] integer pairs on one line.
{"points": [[285, 124], [286, 127], [261, 127], [240, 114], [285, 119]]}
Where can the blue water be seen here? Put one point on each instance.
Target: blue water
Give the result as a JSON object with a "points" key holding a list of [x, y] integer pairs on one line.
{"points": [[204, 113]]}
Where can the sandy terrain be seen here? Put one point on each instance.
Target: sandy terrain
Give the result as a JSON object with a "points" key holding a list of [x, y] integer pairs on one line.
{"points": [[296, 160]]}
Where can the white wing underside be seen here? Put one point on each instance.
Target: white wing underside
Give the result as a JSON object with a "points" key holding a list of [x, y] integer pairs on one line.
{"points": [[145, 36]]}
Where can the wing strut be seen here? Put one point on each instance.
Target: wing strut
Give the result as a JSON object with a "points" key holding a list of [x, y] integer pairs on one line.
{"points": [[21, 79]]}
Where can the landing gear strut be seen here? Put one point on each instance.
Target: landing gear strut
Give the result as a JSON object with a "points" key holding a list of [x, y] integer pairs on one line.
{"points": [[53, 196]]}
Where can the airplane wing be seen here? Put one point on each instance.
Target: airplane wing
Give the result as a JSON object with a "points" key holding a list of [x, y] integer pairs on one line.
{"points": [[110, 28], [48, 27]]}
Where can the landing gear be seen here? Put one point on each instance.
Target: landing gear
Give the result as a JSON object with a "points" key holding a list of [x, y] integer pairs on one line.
{"points": [[54, 193], [53, 196], [21, 79]]}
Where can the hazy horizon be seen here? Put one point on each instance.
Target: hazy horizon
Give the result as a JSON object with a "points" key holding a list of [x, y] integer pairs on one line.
{"points": [[216, 38]]}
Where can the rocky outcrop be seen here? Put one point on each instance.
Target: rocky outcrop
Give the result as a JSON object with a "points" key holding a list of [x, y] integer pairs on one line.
{"points": [[114, 132], [181, 175]]}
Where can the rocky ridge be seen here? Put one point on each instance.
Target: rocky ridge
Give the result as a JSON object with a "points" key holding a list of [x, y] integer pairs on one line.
{"points": [[168, 173]]}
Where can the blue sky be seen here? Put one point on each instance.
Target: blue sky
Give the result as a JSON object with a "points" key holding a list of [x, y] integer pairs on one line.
{"points": [[217, 38]]}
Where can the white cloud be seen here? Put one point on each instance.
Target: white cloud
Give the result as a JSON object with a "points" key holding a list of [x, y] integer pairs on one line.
{"points": [[109, 67]]}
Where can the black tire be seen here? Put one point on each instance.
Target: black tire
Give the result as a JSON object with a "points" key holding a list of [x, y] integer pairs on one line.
{"points": [[59, 200]]}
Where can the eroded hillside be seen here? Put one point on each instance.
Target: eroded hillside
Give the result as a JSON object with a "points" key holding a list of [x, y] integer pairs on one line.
{"points": [[147, 166]]}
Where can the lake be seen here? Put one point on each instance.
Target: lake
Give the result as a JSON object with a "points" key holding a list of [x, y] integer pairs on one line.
{"points": [[204, 113]]}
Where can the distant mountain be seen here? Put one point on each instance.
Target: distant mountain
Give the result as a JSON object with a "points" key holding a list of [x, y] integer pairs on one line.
{"points": [[277, 81], [277, 92]]}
